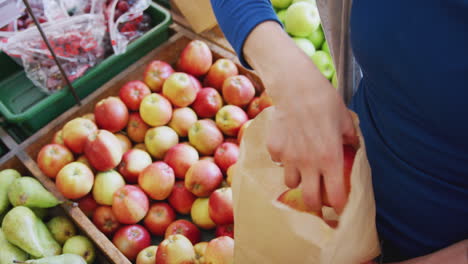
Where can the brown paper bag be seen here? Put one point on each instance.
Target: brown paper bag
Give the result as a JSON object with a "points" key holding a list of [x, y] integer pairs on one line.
{"points": [[198, 13], [267, 231]]}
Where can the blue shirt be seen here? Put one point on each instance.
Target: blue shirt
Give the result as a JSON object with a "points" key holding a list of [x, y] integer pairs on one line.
{"points": [[412, 103]]}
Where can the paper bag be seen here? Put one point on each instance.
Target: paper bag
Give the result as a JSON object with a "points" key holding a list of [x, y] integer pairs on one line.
{"points": [[267, 231], [198, 13]]}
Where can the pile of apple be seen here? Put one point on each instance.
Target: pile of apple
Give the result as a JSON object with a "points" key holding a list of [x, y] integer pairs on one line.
{"points": [[157, 159], [302, 22]]}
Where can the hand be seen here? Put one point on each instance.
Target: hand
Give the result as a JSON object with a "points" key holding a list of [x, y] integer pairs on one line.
{"points": [[311, 121]]}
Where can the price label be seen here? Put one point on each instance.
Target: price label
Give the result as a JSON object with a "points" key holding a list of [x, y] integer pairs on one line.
{"points": [[9, 11]]}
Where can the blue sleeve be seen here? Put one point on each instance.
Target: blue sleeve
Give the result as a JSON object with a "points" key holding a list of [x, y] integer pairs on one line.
{"points": [[238, 18]]}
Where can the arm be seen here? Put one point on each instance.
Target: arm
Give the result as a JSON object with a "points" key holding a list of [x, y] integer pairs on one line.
{"points": [[454, 254]]}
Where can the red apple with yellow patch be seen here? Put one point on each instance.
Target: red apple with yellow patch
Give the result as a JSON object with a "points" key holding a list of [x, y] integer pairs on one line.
{"points": [[238, 90], [52, 158], [225, 230], [159, 140], [157, 180], [241, 131], [185, 228], [254, 108], [74, 180], [230, 119], [207, 103], [195, 59], [58, 138], [294, 199], [182, 119], [203, 178], [105, 220], [226, 155], [147, 255], [156, 74], [130, 204], [90, 116], [180, 157], [175, 249], [111, 114], [125, 142], [103, 150], [159, 217], [220, 251], [200, 249], [205, 136], [200, 214], [155, 110], [132, 93], [133, 163], [181, 199], [265, 101], [219, 72], [76, 132], [131, 240], [221, 207], [180, 89], [136, 128]]}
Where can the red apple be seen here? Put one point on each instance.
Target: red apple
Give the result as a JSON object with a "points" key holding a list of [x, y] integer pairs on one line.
{"points": [[159, 217], [111, 114], [181, 199], [103, 150], [196, 83], [207, 103], [159, 140], [52, 158], [125, 142], [226, 155], [200, 214], [219, 72], [238, 90], [205, 136], [180, 89], [136, 128], [241, 131], [203, 178], [105, 220], [132, 93], [130, 204], [147, 255], [332, 223], [220, 251], [175, 249], [76, 132], [293, 198], [58, 138], [265, 101], [157, 180], [230, 119], [155, 110], [88, 205], [230, 175], [185, 228], [132, 239], [254, 108], [156, 74], [74, 180], [180, 157], [221, 207], [182, 119], [195, 59], [133, 163], [225, 230]]}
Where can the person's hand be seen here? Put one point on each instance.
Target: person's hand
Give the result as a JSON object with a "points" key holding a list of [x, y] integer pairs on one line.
{"points": [[310, 122]]}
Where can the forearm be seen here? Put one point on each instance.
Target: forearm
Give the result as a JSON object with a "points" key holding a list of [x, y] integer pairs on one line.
{"points": [[454, 254]]}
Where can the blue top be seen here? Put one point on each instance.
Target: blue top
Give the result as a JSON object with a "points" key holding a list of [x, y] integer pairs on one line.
{"points": [[413, 111]]}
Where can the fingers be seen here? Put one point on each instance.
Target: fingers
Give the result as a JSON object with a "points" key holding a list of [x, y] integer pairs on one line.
{"points": [[292, 178], [332, 170], [311, 188], [350, 136], [274, 148]]}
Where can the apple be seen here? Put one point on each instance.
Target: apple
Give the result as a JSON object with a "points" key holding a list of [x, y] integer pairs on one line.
{"points": [[132, 93], [348, 160], [238, 90], [125, 142], [219, 72], [85, 161], [205, 136], [332, 223], [180, 157], [226, 155], [185, 228], [196, 83], [156, 74], [220, 251], [325, 47], [230, 175], [195, 59], [182, 119], [105, 185], [61, 228], [317, 38], [74, 180], [52, 158], [90, 116], [324, 63], [254, 108], [203, 178], [136, 128], [155, 110], [305, 45], [302, 19], [265, 101], [88, 205], [58, 138], [293, 198], [221, 207], [175, 249], [76, 132], [157, 180], [103, 150], [241, 131], [147, 255], [180, 89], [207, 103], [225, 230], [130, 204], [181, 199], [280, 4], [141, 146], [159, 140], [159, 217], [105, 220], [335, 80], [208, 158], [282, 16], [200, 249], [111, 114], [230, 118], [132, 239], [133, 163], [81, 246], [200, 214]]}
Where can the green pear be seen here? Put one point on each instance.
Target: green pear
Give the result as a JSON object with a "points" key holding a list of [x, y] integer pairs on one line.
{"points": [[29, 192], [61, 228], [6, 178], [50, 246], [9, 252], [82, 246], [41, 213], [60, 259]]}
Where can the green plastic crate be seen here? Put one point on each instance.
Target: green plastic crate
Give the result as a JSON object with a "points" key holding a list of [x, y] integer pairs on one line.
{"points": [[28, 108]]}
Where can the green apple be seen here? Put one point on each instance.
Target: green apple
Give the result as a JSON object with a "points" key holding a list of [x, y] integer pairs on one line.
{"points": [[280, 4], [325, 47], [308, 1], [335, 80], [317, 37], [302, 19], [305, 45], [281, 15], [324, 63]]}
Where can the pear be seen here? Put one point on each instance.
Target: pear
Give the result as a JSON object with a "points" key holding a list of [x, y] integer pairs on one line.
{"points": [[41, 213], [6, 178], [82, 246], [61, 228], [60, 259], [49, 245], [29, 192], [9, 252]]}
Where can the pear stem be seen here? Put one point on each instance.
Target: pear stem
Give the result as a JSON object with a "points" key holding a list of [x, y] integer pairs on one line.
{"points": [[17, 261], [70, 203]]}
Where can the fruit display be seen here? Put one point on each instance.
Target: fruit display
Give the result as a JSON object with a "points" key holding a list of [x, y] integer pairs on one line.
{"points": [[151, 166], [301, 21]]}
